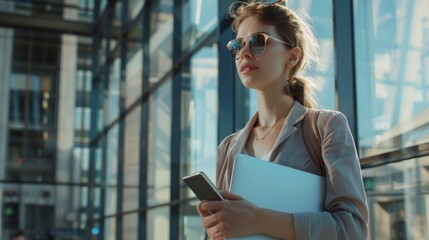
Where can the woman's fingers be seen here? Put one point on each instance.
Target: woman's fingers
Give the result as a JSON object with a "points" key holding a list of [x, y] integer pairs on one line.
{"points": [[212, 206], [227, 218], [231, 196], [201, 211], [212, 221], [217, 232]]}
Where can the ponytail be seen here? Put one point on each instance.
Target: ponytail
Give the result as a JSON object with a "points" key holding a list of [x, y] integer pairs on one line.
{"points": [[302, 90]]}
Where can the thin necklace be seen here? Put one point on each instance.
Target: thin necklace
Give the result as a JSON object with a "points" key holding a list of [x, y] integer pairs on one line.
{"points": [[268, 132]]}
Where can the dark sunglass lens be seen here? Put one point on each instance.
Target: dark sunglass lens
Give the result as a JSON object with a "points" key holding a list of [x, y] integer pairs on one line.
{"points": [[257, 43], [234, 47]]}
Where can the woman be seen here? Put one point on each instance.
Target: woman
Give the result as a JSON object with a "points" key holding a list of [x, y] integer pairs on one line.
{"points": [[272, 47]]}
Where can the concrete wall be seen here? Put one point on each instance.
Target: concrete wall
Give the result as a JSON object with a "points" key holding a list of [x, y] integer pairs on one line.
{"points": [[65, 129]]}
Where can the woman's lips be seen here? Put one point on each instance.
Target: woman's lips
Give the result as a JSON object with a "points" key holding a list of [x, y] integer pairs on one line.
{"points": [[246, 68]]}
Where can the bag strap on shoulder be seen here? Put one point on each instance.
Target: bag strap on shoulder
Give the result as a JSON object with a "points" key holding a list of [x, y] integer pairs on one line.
{"points": [[311, 136]]}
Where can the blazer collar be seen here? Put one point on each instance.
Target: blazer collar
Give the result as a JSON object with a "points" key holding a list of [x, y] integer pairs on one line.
{"points": [[295, 115]]}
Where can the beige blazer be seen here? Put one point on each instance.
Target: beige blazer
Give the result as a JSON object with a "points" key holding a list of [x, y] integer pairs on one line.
{"points": [[346, 214]]}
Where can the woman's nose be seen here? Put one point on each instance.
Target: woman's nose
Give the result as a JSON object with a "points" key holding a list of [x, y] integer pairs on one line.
{"points": [[244, 52]]}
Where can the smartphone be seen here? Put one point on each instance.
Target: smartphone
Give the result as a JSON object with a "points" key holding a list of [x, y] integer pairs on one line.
{"points": [[203, 188]]}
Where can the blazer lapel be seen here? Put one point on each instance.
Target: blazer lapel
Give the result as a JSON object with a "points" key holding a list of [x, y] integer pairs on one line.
{"points": [[296, 115], [289, 128]]}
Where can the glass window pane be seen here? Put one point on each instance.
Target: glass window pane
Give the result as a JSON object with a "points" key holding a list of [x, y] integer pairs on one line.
{"points": [[101, 51], [159, 160], [200, 111], [191, 224], [98, 161], [130, 226], [81, 158], [31, 155], [198, 147], [398, 199], [103, 6], [158, 223], [86, 10], [82, 119], [40, 48], [112, 96], [110, 228], [114, 46], [131, 160], [83, 80], [96, 191], [199, 18], [134, 8], [134, 69], [111, 170], [101, 103], [117, 15], [321, 13], [161, 40], [391, 39], [32, 99]]}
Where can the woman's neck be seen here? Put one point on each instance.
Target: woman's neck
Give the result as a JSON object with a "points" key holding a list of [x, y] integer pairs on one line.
{"points": [[272, 107]]}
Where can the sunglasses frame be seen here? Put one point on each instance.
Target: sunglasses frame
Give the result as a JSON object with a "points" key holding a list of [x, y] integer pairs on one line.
{"points": [[244, 43]]}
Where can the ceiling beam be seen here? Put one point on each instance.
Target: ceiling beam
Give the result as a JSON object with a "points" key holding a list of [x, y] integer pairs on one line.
{"points": [[57, 25]]}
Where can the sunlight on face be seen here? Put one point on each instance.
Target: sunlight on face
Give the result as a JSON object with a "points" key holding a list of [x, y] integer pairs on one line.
{"points": [[267, 70]]}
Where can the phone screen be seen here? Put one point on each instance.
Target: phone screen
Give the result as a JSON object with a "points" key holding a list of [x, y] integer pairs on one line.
{"points": [[203, 188]]}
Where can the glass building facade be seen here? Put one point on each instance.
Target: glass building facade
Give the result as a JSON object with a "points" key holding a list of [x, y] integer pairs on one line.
{"points": [[105, 105]]}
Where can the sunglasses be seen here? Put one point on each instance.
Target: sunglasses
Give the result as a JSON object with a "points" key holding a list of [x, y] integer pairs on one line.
{"points": [[257, 43]]}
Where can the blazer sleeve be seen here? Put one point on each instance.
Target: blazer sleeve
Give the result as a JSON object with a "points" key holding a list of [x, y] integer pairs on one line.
{"points": [[223, 168], [346, 214]]}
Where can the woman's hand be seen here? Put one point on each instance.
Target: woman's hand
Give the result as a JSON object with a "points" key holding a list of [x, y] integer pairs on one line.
{"points": [[234, 218]]}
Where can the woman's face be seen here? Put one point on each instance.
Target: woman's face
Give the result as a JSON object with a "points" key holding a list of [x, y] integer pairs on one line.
{"points": [[265, 70]]}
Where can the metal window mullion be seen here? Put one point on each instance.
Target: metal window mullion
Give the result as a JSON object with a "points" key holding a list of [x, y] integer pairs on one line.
{"points": [[144, 122], [95, 91], [345, 78], [226, 76], [107, 25], [121, 134], [176, 122], [94, 122]]}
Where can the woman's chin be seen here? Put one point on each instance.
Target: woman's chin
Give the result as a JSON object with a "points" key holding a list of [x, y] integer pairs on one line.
{"points": [[248, 83]]}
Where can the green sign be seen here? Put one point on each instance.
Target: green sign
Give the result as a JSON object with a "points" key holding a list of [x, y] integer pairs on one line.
{"points": [[8, 211], [369, 183]]}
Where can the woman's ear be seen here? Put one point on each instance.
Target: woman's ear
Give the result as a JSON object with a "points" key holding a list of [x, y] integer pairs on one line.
{"points": [[294, 56]]}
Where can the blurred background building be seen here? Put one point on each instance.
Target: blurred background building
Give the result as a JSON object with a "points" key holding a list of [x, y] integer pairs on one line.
{"points": [[105, 105]]}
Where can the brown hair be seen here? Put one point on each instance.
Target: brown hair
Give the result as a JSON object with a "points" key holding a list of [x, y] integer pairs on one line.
{"points": [[293, 30]]}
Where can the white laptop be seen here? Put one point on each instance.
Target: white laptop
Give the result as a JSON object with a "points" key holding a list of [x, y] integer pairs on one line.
{"points": [[277, 187]]}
